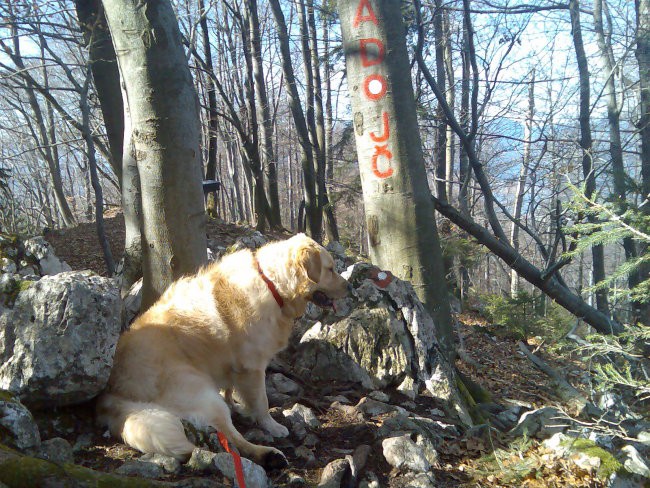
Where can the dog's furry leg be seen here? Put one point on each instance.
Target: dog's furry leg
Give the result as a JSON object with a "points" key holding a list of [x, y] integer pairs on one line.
{"points": [[200, 401], [251, 389]]}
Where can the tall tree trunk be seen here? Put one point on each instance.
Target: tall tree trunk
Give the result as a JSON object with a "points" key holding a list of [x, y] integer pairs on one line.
{"points": [[106, 76], [268, 159], [312, 210], [399, 213], [643, 58], [166, 138], [521, 183], [132, 208], [451, 101], [331, 227], [94, 179], [586, 143], [440, 150], [213, 117], [615, 145]]}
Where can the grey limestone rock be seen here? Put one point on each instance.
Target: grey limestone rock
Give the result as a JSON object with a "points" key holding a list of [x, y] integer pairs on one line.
{"points": [[402, 453], [17, 426], [57, 342]]}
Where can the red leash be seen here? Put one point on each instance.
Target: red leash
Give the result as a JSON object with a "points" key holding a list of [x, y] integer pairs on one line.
{"points": [[239, 469]]}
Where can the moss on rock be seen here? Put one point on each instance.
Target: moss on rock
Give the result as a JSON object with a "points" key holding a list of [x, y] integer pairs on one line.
{"points": [[608, 463], [20, 471]]}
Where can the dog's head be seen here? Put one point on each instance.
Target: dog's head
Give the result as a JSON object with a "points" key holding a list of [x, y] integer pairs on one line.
{"points": [[315, 266]]}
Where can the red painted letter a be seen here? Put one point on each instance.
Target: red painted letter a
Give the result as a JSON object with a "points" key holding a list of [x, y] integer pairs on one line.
{"points": [[365, 13]]}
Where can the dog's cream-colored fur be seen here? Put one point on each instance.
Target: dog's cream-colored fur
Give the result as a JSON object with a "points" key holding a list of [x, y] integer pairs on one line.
{"points": [[214, 331]]}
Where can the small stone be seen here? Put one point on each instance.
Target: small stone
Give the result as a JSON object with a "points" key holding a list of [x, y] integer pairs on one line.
{"points": [[83, 441], [644, 438], [416, 480], [408, 387], [634, 463], [338, 398], [335, 474], [380, 396], [17, 426], [409, 405], [254, 474], [402, 452], [202, 461], [301, 414], [168, 463], [306, 454], [311, 440], [370, 481], [141, 469], [282, 384], [586, 462], [57, 450], [258, 436], [359, 459], [541, 423], [558, 443], [372, 408], [295, 480]]}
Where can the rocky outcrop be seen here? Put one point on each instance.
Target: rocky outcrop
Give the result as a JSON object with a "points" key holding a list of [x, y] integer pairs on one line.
{"points": [[381, 337], [58, 340]]}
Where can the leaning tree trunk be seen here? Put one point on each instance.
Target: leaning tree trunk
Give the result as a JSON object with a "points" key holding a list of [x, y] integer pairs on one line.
{"points": [[165, 132], [399, 212]]}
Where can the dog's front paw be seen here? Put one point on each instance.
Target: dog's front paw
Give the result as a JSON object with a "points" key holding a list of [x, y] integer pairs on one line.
{"points": [[274, 428], [273, 460]]}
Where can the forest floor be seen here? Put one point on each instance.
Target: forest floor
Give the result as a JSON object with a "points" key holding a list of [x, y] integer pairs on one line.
{"points": [[473, 459]]}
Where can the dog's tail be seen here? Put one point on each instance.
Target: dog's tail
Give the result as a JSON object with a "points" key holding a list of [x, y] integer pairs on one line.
{"points": [[145, 426]]}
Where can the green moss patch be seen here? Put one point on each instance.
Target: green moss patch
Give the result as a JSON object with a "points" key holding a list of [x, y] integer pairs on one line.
{"points": [[608, 463]]}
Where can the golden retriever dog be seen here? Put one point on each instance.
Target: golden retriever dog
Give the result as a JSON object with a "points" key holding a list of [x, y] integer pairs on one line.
{"points": [[211, 332]]}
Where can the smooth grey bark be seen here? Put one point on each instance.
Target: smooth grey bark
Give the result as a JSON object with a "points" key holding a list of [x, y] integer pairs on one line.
{"points": [[451, 101], [586, 144], [603, 37], [132, 208], [94, 179], [163, 108], [440, 148], [268, 159], [642, 54], [213, 120], [521, 182], [319, 129], [400, 216], [106, 76]]}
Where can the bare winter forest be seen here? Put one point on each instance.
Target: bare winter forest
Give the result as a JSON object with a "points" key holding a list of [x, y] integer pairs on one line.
{"points": [[502, 144]]}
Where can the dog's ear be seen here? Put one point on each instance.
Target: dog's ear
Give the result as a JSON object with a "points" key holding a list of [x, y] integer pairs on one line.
{"points": [[309, 260]]}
